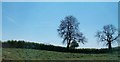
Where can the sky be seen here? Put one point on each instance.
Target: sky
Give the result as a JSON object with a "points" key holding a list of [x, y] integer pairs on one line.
{"points": [[60, 0], [0, 21], [38, 22]]}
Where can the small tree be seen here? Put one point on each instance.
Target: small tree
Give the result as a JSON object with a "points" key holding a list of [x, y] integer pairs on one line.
{"points": [[69, 31], [108, 35], [74, 44]]}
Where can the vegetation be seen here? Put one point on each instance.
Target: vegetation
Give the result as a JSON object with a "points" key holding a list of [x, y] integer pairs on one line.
{"points": [[108, 35], [31, 45], [32, 54], [69, 31], [74, 44]]}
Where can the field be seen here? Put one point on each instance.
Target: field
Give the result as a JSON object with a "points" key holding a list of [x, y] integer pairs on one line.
{"points": [[32, 54]]}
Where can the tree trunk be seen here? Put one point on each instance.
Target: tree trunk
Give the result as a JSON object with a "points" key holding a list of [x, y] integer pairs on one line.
{"points": [[109, 45], [68, 45]]}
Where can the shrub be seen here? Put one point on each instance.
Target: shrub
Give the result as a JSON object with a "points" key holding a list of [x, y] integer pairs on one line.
{"points": [[32, 45]]}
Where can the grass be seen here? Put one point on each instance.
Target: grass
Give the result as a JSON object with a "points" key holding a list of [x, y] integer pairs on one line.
{"points": [[0, 54], [32, 54]]}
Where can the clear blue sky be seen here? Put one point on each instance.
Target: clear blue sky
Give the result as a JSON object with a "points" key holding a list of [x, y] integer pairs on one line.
{"points": [[39, 21]]}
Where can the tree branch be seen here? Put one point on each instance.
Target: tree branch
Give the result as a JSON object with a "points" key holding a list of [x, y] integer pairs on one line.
{"points": [[116, 37]]}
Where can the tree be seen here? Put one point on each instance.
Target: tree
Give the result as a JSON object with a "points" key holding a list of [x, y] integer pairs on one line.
{"points": [[108, 35], [69, 31], [74, 44]]}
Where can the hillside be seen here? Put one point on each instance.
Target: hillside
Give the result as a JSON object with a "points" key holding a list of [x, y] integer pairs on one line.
{"points": [[21, 50], [39, 46], [32, 54]]}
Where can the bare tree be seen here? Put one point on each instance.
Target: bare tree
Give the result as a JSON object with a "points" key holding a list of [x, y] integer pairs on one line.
{"points": [[108, 35], [69, 31]]}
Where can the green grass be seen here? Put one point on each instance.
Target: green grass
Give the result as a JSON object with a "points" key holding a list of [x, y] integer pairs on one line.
{"points": [[32, 54], [0, 54]]}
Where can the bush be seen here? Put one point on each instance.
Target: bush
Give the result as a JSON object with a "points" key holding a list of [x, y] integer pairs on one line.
{"points": [[32, 45]]}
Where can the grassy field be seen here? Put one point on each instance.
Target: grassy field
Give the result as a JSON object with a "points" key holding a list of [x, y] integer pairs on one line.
{"points": [[0, 54], [32, 54]]}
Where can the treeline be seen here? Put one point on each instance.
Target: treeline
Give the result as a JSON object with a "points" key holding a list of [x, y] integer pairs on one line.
{"points": [[32, 45]]}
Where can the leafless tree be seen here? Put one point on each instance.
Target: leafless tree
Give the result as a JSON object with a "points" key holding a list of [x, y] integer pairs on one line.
{"points": [[69, 31], [108, 35]]}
